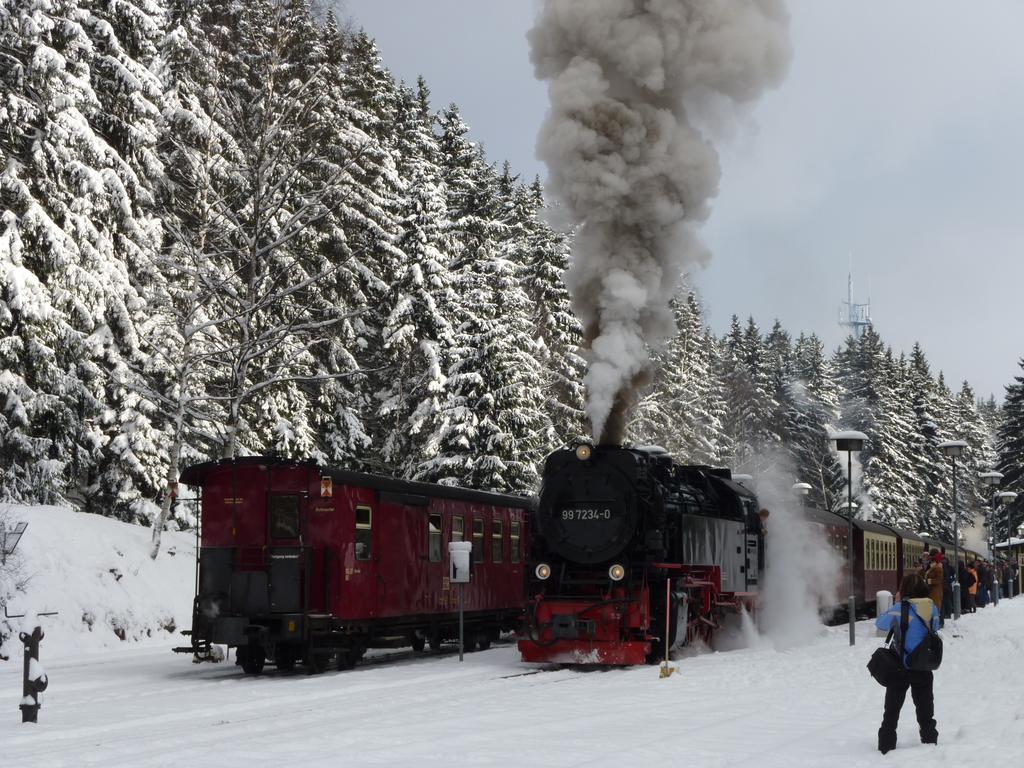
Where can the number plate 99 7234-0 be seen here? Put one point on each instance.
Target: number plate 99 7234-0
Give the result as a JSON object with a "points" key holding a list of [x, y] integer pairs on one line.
{"points": [[590, 512]]}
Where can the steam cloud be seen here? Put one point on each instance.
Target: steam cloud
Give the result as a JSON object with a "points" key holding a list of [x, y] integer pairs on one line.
{"points": [[629, 83]]}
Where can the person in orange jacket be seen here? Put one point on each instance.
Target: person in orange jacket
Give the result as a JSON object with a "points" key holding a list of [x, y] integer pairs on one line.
{"points": [[972, 591]]}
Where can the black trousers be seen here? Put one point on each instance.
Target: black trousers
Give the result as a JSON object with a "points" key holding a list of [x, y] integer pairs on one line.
{"points": [[920, 685]]}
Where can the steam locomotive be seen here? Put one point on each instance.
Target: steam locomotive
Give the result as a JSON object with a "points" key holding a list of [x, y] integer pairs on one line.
{"points": [[632, 552]]}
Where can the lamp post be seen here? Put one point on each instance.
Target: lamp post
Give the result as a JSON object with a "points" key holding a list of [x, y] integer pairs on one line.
{"points": [[850, 442], [1006, 498], [990, 479], [747, 481], [955, 449]]}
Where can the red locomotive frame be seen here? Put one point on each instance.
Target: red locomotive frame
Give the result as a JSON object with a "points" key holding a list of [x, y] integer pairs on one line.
{"points": [[625, 630], [299, 562]]}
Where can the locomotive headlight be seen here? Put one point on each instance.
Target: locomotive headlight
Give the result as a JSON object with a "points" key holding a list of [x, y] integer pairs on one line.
{"points": [[543, 571], [616, 572], [584, 451]]}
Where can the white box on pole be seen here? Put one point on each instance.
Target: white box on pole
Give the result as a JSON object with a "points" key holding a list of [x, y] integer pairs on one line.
{"points": [[883, 602], [458, 561]]}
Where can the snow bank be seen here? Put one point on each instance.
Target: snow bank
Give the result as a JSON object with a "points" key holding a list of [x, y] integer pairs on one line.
{"points": [[97, 574]]}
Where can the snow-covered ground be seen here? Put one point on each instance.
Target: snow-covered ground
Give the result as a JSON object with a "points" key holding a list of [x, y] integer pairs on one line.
{"points": [[810, 706], [137, 704]]}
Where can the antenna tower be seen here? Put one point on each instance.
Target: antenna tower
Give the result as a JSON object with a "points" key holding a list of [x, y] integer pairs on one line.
{"points": [[852, 316]]}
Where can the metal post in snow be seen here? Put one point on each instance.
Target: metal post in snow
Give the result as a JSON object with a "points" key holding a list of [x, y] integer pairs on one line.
{"points": [[461, 623], [459, 564], [666, 670], [956, 551], [992, 553], [852, 605]]}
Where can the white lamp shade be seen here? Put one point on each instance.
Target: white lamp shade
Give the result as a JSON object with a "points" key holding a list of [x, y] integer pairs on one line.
{"points": [[954, 449]]}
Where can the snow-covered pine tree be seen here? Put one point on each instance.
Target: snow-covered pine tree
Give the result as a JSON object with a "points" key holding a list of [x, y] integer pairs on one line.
{"points": [[408, 285], [970, 426], [813, 411], [750, 423], [685, 398], [418, 335], [126, 40], [861, 370], [558, 331], [493, 428], [932, 426], [75, 182], [892, 475], [1011, 451]]}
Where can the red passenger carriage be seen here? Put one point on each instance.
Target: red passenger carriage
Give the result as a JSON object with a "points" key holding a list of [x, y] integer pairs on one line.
{"points": [[299, 562]]}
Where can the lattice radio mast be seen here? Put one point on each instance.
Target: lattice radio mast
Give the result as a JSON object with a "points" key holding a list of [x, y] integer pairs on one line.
{"points": [[853, 316]]}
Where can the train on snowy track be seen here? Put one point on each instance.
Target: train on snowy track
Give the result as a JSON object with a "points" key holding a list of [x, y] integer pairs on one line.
{"points": [[303, 564], [625, 551], [631, 551]]}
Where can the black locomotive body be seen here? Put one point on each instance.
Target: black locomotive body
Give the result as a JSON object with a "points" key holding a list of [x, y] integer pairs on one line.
{"points": [[630, 551]]}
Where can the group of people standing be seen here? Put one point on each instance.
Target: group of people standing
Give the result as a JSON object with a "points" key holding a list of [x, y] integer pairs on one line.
{"points": [[977, 578]]}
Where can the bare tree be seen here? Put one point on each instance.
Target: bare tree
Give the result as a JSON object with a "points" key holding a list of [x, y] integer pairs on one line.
{"points": [[252, 303]]}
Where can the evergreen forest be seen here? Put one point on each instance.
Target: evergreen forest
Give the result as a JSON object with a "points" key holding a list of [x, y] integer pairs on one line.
{"points": [[226, 229]]}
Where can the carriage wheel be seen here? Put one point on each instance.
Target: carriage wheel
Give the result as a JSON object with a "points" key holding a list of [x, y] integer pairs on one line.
{"points": [[284, 658], [250, 658], [347, 658], [317, 662], [701, 629]]}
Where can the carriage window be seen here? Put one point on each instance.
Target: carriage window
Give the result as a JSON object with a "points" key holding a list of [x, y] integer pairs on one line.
{"points": [[434, 538], [364, 533], [284, 517], [514, 536], [456, 529], [478, 540], [497, 542]]}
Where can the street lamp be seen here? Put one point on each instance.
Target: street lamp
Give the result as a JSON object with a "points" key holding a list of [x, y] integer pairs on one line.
{"points": [[955, 449], [850, 442], [1006, 498], [990, 479], [745, 480]]}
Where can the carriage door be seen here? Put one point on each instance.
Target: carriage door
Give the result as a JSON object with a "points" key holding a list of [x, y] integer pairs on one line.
{"points": [[359, 586], [285, 554]]}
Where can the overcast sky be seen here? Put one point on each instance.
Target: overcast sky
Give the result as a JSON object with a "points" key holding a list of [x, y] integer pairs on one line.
{"points": [[896, 139]]}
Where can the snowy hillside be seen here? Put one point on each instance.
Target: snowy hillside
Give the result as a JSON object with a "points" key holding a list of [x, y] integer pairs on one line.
{"points": [[97, 574]]}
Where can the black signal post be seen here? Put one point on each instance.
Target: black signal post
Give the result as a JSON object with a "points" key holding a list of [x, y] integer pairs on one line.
{"points": [[32, 684]]}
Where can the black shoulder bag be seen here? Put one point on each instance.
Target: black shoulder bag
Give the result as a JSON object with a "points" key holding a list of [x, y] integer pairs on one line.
{"points": [[928, 655], [886, 663]]}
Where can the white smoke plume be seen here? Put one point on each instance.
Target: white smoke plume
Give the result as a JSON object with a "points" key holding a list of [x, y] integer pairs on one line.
{"points": [[804, 577], [629, 82], [804, 573]]}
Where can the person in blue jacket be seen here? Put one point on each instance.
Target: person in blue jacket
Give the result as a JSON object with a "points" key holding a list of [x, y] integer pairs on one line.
{"points": [[913, 590]]}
